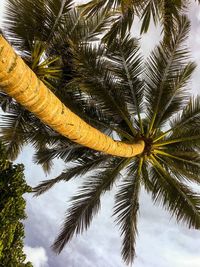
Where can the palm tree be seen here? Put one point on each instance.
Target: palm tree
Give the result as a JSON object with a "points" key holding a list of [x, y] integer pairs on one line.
{"points": [[111, 92], [158, 109]]}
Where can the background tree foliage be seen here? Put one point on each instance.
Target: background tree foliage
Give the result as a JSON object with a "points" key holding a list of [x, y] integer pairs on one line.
{"points": [[12, 211]]}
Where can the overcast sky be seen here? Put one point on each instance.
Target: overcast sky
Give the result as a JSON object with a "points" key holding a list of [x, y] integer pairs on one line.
{"points": [[161, 242]]}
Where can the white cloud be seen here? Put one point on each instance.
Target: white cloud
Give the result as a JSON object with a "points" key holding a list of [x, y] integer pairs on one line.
{"points": [[183, 260], [37, 256]]}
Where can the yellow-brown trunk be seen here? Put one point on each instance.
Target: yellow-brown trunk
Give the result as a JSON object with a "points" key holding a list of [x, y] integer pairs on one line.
{"points": [[20, 82]]}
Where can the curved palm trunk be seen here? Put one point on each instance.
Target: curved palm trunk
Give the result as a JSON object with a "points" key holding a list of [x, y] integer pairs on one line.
{"points": [[20, 82]]}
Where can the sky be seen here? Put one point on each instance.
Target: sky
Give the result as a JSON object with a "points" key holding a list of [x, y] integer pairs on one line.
{"points": [[161, 241]]}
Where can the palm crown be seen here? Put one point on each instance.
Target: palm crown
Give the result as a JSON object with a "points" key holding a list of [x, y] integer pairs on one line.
{"points": [[113, 89]]}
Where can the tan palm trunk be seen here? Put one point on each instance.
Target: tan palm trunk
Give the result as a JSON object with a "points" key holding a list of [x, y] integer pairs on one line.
{"points": [[20, 82]]}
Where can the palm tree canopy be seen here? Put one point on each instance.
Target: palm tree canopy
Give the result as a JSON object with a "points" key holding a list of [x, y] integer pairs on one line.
{"points": [[114, 90], [171, 157]]}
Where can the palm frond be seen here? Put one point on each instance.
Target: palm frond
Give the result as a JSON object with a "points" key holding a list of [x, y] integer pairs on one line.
{"points": [[170, 10], [126, 209], [46, 68], [19, 127], [176, 197], [163, 76], [93, 7], [127, 65], [191, 157], [179, 94], [87, 203], [80, 169], [151, 10], [96, 78], [5, 101], [189, 118], [186, 123], [44, 156], [89, 29], [183, 171], [122, 14], [122, 24], [33, 21], [180, 143], [13, 126], [146, 176]]}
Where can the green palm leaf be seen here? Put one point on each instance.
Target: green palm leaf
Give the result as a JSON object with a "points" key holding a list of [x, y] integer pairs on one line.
{"points": [[80, 169], [163, 75], [186, 123], [127, 65], [33, 21], [183, 171], [87, 203], [189, 119], [176, 197], [126, 210], [12, 126], [170, 10], [151, 10], [97, 79]]}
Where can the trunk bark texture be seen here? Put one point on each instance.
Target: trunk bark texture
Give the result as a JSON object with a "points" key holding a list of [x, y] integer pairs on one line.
{"points": [[20, 82]]}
